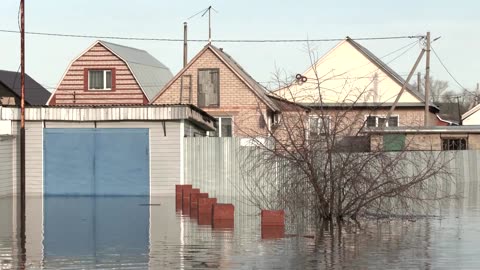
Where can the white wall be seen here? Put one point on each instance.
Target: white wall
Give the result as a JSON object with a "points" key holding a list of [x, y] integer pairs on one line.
{"points": [[164, 153], [473, 119], [346, 76]]}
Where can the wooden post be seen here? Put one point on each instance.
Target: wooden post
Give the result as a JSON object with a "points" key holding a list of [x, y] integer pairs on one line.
{"points": [[427, 81], [209, 25], [185, 44], [403, 87], [22, 232], [419, 82]]}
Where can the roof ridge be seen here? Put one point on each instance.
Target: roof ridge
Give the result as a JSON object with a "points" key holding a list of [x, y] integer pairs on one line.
{"points": [[120, 45], [262, 92], [387, 69]]}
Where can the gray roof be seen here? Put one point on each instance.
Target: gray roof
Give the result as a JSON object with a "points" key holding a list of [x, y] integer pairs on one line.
{"points": [[256, 87], [35, 93], [150, 73], [390, 72]]}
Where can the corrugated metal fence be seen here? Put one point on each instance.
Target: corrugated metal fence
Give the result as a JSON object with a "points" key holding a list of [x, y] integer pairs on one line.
{"points": [[6, 166], [217, 166]]}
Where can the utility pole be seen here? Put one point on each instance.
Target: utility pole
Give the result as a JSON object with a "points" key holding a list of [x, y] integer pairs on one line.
{"points": [[419, 82], [460, 122], [22, 137], [185, 44], [427, 80]]}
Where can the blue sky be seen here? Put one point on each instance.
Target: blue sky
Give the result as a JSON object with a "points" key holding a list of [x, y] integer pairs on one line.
{"points": [[457, 22]]}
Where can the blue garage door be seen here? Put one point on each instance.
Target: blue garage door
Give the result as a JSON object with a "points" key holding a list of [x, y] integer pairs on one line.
{"points": [[91, 162]]}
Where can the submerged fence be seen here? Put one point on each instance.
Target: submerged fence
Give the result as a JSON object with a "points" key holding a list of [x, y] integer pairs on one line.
{"points": [[218, 166]]}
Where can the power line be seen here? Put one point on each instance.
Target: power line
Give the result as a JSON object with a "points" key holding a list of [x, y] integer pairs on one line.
{"points": [[205, 40], [449, 73]]}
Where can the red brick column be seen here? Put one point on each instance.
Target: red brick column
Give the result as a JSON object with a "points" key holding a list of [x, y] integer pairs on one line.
{"points": [[194, 203], [179, 196], [273, 224], [186, 198], [223, 215], [205, 207]]}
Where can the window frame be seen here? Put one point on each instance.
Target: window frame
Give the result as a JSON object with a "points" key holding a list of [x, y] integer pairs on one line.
{"points": [[377, 116], [460, 139], [219, 128], [320, 133], [198, 87], [105, 70]]}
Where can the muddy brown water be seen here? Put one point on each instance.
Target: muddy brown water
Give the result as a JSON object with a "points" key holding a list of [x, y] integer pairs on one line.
{"points": [[147, 233]]}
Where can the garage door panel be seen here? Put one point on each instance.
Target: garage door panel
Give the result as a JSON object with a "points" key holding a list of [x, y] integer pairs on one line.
{"points": [[96, 162], [122, 162], [68, 165]]}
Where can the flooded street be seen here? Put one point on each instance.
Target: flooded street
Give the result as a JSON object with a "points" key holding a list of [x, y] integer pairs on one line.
{"points": [[135, 233]]}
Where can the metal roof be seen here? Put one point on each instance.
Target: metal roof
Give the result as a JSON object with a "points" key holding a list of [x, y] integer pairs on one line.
{"points": [[112, 113], [35, 93], [150, 73]]}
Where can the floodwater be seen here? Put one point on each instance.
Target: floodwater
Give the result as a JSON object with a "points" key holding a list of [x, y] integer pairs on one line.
{"points": [[143, 233]]}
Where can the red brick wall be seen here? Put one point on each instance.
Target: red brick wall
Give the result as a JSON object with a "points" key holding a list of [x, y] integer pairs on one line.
{"points": [[236, 99], [73, 90]]}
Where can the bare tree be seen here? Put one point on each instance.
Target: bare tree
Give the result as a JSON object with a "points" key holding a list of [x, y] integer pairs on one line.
{"points": [[318, 163]]}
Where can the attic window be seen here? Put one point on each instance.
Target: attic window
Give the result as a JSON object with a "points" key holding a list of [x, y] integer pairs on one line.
{"points": [[208, 87], [100, 80]]}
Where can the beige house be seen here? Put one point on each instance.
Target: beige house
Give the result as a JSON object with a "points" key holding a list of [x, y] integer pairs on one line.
{"points": [[472, 117], [351, 78]]}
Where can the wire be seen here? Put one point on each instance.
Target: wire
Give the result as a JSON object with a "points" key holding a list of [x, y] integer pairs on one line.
{"points": [[201, 11], [449, 73], [205, 40]]}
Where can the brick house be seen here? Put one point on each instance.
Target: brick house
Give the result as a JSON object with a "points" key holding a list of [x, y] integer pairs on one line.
{"points": [[436, 138], [217, 84], [35, 93], [108, 74], [359, 86]]}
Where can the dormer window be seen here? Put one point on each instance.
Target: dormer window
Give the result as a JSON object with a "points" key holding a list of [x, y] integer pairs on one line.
{"points": [[100, 79]]}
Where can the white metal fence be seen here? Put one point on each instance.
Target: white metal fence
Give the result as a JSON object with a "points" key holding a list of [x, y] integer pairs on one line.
{"points": [[217, 166]]}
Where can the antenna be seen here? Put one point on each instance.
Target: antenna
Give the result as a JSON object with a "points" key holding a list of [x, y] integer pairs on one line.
{"points": [[209, 10]]}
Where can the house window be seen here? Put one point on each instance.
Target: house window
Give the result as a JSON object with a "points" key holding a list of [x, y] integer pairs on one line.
{"points": [[99, 80], [224, 128], [319, 125], [208, 87], [379, 121], [454, 144]]}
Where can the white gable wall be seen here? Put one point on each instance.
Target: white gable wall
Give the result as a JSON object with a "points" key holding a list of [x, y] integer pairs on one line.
{"points": [[347, 76], [473, 119]]}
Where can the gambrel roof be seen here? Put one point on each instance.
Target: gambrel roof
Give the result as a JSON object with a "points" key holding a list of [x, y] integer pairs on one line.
{"points": [[150, 73]]}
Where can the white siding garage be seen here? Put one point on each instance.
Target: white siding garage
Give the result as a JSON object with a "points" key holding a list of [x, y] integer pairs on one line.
{"points": [[165, 126]]}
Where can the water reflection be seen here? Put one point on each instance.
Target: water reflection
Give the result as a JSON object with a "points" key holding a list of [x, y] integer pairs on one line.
{"points": [[100, 231], [147, 233]]}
